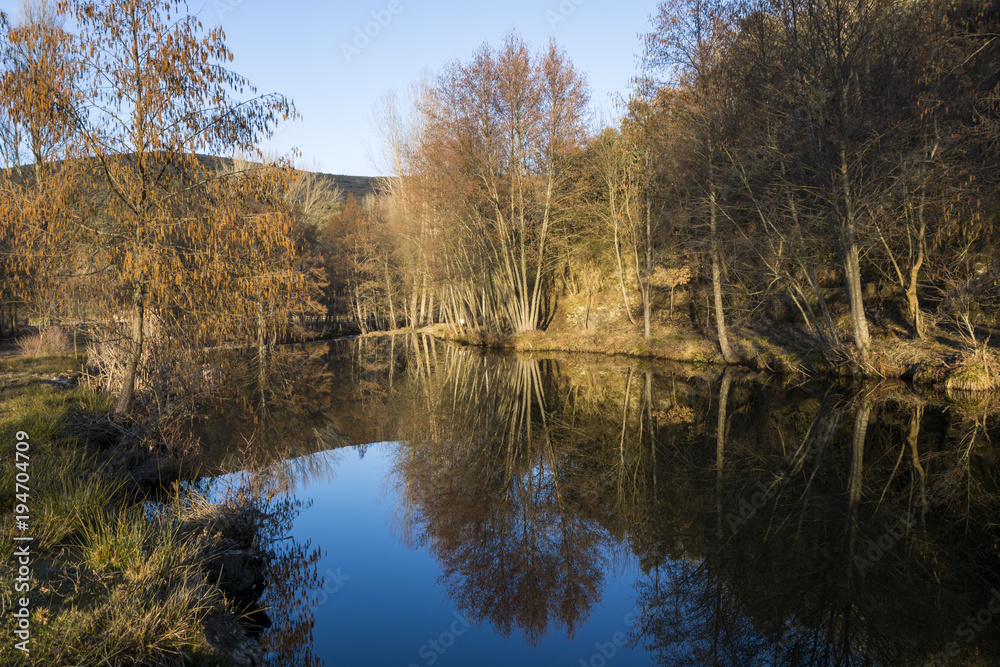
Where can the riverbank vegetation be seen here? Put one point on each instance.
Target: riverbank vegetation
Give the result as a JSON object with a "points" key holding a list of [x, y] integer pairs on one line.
{"points": [[155, 252], [816, 173], [110, 584], [128, 566]]}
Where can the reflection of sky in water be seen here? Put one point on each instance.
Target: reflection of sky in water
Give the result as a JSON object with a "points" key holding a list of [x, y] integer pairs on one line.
{"points": [[389, 605], [532, 466]]}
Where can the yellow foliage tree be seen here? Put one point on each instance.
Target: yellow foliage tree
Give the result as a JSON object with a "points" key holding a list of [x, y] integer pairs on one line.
{"points": [[671, 278], [140, 223]]}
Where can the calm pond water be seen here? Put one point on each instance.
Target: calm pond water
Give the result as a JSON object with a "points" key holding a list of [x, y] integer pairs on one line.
{"points": [[456, 508]]}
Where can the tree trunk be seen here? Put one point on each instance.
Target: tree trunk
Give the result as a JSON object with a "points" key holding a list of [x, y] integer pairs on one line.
{"points": [[720, 319], [361, 317], [389, 298], [135, 352], [912, 439], [36, 151], [421, 321], [720, 426], [912, 301], [847, 246], [412, 312], [720, 443], [855, 298], [652, 427], [649, 261], [913, 306], [621, 442], [621, 274], [854, 485], [261, 359]]}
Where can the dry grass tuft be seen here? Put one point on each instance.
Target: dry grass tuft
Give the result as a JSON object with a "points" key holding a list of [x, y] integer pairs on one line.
{"points": [[977, 371], [49, 342], [151, 597]]}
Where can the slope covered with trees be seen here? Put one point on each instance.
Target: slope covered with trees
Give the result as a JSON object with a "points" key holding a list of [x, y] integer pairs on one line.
{"points": [[820, 174]]}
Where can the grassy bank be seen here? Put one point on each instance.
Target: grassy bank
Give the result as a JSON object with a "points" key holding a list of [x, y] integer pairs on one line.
{"points": [[941, 358], [111, 582]]}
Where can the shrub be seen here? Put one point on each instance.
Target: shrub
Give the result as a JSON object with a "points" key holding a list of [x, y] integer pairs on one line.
{"points": [[978, 371], [49, 342]]}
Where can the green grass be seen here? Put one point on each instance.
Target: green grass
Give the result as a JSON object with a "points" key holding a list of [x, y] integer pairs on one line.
{"points": [[40, 365], [143, 596], [113, 585]]}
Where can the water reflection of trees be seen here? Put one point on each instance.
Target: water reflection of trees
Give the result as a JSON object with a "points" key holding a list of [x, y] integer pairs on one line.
{"points": [[271, 432], [485, 485], [854, 558], [292, 581], [277, 609], [275, 420], [528, 477]]}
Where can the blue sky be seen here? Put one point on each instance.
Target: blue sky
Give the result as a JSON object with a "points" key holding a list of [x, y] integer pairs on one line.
{"points": [[297, 47]]}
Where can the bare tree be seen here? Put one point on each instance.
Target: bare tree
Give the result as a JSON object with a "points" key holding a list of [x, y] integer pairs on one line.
{"points": [[685, 47]]}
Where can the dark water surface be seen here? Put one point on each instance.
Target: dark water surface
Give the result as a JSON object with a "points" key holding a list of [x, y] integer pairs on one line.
{"points": [[577, 511]]}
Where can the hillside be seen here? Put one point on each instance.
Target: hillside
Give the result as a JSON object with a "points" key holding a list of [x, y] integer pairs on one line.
{"points": [[322, 186], [359, 186]]}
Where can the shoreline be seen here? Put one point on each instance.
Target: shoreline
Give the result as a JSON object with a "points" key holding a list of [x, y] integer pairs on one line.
{"points": [[94, 542], [938, 359], [210, 540]]}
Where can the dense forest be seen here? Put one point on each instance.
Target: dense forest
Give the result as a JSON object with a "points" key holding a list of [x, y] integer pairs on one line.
{"points": [[817, 172], [796, 184]]}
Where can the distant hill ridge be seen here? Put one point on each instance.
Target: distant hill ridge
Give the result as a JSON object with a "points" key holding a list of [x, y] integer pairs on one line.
{"points": [[321, 209], [359, 186]]}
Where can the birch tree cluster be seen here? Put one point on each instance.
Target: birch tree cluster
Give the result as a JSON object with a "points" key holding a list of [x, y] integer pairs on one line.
{"points": [[823, 167]]}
